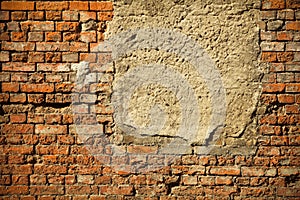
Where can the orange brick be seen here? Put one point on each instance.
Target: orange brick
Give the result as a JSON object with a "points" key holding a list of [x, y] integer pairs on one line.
{"points": [[273, 4], [79, 5], [52, 5], [101, 6], [293, 25], [17, 5]]}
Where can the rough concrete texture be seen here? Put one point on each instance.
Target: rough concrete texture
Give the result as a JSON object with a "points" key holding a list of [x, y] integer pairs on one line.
{"points": [[227, 31]]}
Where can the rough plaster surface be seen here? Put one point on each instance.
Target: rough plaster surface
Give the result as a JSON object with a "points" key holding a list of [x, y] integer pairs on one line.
{"points": [[228, 33]]}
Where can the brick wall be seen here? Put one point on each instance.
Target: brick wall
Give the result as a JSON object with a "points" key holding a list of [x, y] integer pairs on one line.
{"points": [[43, 158]]}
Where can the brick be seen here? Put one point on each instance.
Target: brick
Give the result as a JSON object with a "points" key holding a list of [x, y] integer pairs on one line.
{"points": [[293, 4], [53, 36], [268, 151], [233, 171], [287, 14], [273, 87], [285, 77], [13, 26], [286, 98], [17, 58], [4, 15], [18, 16], [51, 129], [18, 128], [46, 190], [87, 15], [4, 36], [105, 16], [88, 37], [18, 98], [67, 26], [292, 109], [279, 140], [55, 67], [4, 97], [189, 180], [37, 26], [36, 98], [142, 149], [37, 88], [53, 15], [78, 47], [20, 180], [287, 192], [275, 25], [4, 56], [53, 57], [10, 87], [267, 35], [273, 4], [293, 87], [35, 36], [36, 15], [18, 5], [70, 15], [295, 46], [52, 5], [18, 36], [70, 57], [293, 25], [284, 36], [79, 5], [101, 6], [268, 56], [18, 46], [52, 46], [272, 46]]}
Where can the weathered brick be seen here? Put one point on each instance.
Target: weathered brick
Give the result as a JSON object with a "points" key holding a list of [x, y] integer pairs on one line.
{"points": [[101, 6], [19, 5], [79, 5], [37, 88], [233, 171], [52, 5], [293, 25]]}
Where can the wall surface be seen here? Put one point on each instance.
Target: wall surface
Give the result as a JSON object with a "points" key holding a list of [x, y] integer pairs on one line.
{"points": [[170, 99]]}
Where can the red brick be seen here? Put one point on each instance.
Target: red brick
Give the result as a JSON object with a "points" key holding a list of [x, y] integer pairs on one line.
{"points": [[52, 5], [67, 26], [53, 36], [284, 36], [18, 98], [36, 15], [18, 16], [51, 129], [105, 16], [70, 15], [292, 109], [53, 15], [233, 171], [18, 46], [285, 56], [16, 190], [4, 15], [286, 98], [268, 56], [101, 6], [293, 25], [4, 36], [292, 3], [268, 151], [79, 5], [18, 36], [20, 180], [44, 190], [18, 128], [273, 88], [18, 66], [273, 4], [78, 47], [293, 87], [17, 5], [37, 88], [10, 87], [19, 149], [4, 97]]}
